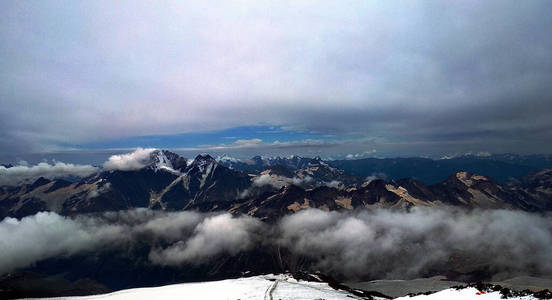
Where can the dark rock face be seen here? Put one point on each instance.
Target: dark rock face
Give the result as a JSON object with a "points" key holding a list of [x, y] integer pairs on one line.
{"points": [[276, 205], [374, 192], [39, 182], [115, 190], [417, 189], [30, 206], [535, 189], [204, 181], [325, 196], [211, 182], [177, 162], [58, 184], [33, 285], [472, 190], [452, 191]]}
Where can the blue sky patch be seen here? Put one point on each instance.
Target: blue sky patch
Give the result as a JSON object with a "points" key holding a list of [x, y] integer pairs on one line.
{"points": [[267, 134]]}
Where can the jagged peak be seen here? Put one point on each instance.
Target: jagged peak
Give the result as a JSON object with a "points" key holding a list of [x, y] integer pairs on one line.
{"points": [[159, 158], [466, 178], [166, 160], [378, 182], [204, 157], [290, 188], [462, 175], [204, 162]]}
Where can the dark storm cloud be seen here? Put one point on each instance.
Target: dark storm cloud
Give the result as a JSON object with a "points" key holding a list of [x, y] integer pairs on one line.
{"points": [[420, 72]]}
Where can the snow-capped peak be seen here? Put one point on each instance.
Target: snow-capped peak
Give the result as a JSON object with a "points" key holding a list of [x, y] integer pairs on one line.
{"points": [[159, 160]]}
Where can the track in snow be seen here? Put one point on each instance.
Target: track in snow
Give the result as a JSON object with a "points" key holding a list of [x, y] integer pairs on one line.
{"points": [[270, 290]]}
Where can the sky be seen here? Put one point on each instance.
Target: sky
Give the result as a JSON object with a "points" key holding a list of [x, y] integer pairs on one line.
{"points": [[329, 78]]}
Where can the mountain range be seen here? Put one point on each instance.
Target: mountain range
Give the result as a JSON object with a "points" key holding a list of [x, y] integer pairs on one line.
{"points": [[271, 187]]}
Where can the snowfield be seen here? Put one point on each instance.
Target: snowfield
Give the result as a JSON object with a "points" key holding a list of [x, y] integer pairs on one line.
{"points": [[257, 287], [273, 287]]}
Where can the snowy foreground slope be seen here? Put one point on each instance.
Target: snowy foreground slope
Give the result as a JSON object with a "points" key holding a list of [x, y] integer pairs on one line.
{"points": [[273, 287], [257, 287]]}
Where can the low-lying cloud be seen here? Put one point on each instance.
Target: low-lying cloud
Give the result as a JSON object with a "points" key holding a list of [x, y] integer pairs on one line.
{"points": [[390, 244], [25, 174], [267, 181], [281, 181], [46, 234], [334, 184], [364, 244], [215, 235], [135, 160], [191, 237]]}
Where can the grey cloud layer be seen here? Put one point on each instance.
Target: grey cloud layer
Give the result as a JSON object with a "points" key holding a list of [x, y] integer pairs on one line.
{"points": [[421, 71], [379, 244]]}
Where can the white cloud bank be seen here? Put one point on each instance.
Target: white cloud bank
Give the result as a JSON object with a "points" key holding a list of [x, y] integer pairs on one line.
{"points": [[23, 173], [280, 181], [135, 160], [46, 234], [367, 244], [215, 235], [26, 174], [188, 237], [395, 244]]}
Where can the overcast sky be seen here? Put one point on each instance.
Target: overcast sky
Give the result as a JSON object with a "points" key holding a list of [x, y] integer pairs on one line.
{"points": [[332, 77]]}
